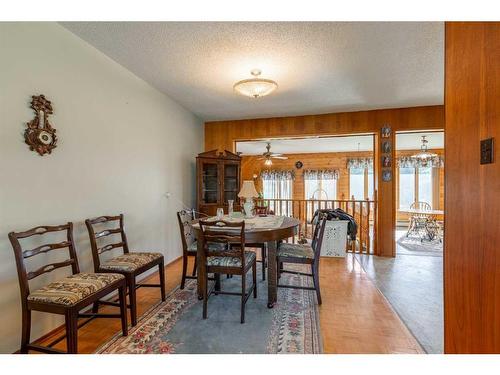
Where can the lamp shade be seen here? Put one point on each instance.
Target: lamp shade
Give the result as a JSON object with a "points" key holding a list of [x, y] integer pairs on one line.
{"points": [[248, 190]]}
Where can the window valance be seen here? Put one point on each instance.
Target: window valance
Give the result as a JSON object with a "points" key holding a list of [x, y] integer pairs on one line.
{"points": [[409, 162], [360, 163], [322, 174], [277, 175]]}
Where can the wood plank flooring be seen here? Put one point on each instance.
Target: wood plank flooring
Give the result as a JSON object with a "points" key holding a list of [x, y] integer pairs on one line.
{"points": [[354, 316]]}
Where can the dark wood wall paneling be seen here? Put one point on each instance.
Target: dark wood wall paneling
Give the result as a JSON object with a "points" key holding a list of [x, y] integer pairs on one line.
{"points": [[472, 199]]}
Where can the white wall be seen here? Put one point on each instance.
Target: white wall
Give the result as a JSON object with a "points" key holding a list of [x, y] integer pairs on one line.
{"points": [[122, 146]]}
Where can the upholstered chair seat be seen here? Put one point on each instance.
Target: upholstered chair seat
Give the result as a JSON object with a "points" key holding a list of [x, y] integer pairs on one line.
{"points": [[130, 262], [211, 246], [231, 261], [73, 289], [295, 250]]}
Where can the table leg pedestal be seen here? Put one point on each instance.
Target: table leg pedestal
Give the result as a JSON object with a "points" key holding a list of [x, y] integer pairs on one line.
{"points": [[272, 293]]}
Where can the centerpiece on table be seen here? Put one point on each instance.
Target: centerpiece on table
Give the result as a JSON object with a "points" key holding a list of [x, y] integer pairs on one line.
{"points": [[248, 192]]}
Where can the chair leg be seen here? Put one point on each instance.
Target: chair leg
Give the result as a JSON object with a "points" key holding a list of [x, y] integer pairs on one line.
{"points": [[195, 265], [217, 283], [205, 297], [243, 289], [26, 330], [184, 270], [315, 272], [95, 307], [279, 267], [133, 300], [72, 332], [162, 280], [123, 309], [254, 277], [264, 251]]}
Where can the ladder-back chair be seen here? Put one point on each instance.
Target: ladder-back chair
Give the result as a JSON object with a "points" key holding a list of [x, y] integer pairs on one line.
{"points": [[67, 296], [234, 260], [129, 264]]}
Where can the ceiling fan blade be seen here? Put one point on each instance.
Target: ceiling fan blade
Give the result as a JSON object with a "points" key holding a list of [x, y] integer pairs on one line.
{"points": [[260, 158], [280, 157], [276, 154]]}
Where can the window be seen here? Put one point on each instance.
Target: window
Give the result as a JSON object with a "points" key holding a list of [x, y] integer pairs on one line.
{"points": [[406, 187], [278, 185], [415, 185], [277, 189], [321, 189], [425, 185], [361, 182], [371, 181], [357, 183]]}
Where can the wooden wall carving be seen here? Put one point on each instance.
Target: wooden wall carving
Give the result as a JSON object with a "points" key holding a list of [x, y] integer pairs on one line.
{"points": [[40, 135]]}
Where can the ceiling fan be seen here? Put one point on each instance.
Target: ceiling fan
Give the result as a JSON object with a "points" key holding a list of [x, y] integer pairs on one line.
{"points": [[268, 156]]}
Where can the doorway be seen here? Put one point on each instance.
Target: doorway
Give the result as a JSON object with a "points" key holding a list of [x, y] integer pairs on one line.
{"points": [[413, 281]]}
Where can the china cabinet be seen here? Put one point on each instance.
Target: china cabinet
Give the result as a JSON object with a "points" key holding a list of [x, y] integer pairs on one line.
{"points": [[218, 181]]}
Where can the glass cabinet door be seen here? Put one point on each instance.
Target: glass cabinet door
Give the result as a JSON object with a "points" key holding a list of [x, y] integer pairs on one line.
{"points": [[210, 183], [231, 182]]}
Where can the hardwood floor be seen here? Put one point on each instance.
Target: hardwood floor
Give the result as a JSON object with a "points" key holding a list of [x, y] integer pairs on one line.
{"points": [[354, 316]]}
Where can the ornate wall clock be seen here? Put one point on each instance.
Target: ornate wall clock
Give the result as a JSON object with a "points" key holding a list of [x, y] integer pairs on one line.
{"points": [[40, 135]]}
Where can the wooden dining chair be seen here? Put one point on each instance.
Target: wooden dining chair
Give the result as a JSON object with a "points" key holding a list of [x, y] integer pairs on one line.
{"points": [[262, 210], [303, 254], [186, 219], [233, 261], [129, 264], [67, 296]]}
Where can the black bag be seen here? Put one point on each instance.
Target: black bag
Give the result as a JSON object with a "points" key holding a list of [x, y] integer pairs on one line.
{"points": [[338, 214]]}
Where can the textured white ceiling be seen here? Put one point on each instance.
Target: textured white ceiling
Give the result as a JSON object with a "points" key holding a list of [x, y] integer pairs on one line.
{"points": [[320, 67], [315, 145]]}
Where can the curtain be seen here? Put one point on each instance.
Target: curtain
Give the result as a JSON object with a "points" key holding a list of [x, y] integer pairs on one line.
{"points": [[409, 162], [277, 175], [278, 185], [325, 174], [360, 163]]}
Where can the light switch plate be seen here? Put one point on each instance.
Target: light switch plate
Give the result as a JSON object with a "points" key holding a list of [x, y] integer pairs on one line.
{"points": [[487, 151]]}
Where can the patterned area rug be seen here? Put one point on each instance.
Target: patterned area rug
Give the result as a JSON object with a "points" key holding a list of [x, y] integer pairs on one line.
{"points": [[176, 325], [414, 246]]}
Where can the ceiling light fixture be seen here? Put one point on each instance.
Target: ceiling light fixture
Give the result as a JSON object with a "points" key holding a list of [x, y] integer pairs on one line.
{"points": [[268, 156], [255, 87], [424, 155]]}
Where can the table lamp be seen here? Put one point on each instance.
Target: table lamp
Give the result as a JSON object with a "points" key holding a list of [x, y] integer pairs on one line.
{"points": [[248, 192]]}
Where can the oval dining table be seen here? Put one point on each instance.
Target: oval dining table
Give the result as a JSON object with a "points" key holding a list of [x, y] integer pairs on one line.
{"points": [[255, 234]]}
